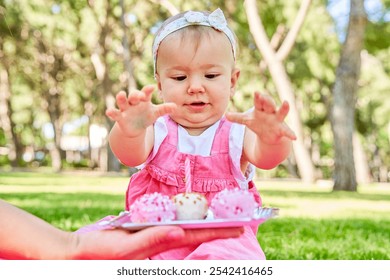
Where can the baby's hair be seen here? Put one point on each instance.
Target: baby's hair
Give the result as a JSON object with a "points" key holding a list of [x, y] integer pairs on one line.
{"points": [[173, 18], [196, 32]]}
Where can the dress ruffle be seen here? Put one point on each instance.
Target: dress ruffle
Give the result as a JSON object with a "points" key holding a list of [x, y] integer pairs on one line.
{"points": [[212, 185], [164, 176], [198, 185]]}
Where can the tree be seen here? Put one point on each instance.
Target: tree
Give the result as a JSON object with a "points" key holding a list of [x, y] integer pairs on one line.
{"points": [[100, 57], [6, 112], [274, 61], [51, 65], [86, 59], [10, 30], [342, 115]]}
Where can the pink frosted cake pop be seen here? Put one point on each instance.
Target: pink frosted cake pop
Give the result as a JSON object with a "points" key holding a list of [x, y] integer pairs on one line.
{"points": [[151, 208], [234, 203], [190, 206]]}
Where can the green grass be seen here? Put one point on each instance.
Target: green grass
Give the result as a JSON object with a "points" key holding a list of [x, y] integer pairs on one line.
{"points": [[314, 223]]}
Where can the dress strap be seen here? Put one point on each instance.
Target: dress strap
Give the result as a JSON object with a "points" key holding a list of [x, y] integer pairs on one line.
{"points": [[221, 138], [172, 137]]}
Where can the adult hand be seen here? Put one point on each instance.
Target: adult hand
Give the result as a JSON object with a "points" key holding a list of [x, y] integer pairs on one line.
{"points": [[25, 236], [121, 244]]}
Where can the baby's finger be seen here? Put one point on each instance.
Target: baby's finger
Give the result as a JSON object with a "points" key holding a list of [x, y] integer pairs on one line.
{"points": [[148, 92], [240, 118], [113, 114], [287, 132], [121, 101], [135, 97], [265, 103], [283, 111], [164, 109]]}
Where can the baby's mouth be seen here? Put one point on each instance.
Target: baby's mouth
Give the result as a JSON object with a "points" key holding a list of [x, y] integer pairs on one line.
{"points": [[198, 104]]}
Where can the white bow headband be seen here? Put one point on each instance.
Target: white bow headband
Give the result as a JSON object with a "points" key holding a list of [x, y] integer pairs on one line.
{"points": [[215, 20]]}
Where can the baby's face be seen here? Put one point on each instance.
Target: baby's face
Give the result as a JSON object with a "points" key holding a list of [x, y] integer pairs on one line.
{"points": [[199, 77]]}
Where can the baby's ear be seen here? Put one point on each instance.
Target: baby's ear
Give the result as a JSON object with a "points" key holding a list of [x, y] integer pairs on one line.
{"points": [[157, 76], [159, 95], [233, 81]]}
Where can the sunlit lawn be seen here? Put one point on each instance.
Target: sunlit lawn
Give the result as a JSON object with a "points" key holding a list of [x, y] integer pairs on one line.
{"points": [[314, 223]]}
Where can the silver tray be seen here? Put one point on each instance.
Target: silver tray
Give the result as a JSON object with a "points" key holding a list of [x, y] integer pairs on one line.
{"points": [[260, 216]]}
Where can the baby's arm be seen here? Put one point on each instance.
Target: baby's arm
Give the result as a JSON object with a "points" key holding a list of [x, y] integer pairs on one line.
{"points": [[267, 140], [132, 136]]}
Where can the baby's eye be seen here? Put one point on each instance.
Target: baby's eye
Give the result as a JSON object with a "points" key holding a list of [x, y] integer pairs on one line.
{"points": [[179, 78], [211, 76]]}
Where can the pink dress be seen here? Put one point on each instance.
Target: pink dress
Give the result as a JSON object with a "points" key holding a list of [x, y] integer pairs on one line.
{"points": [[165, 173]]}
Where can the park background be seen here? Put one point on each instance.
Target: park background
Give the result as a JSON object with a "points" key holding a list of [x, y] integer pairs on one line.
{"points": [[62, 62]]}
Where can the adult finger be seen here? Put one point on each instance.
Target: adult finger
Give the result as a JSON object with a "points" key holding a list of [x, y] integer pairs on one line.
{"points": [[153, 240], [203, 235], [174, 239]]}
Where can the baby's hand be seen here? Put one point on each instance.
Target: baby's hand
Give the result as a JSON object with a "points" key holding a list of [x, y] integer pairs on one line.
{"points": [[265, 120], [136, 112]]}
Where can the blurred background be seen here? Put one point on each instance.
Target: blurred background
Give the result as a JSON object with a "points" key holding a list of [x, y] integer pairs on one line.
{"points": [[62, 63]]}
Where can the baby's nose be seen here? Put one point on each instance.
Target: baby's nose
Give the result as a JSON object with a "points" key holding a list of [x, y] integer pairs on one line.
{"points": [[195, 86]]}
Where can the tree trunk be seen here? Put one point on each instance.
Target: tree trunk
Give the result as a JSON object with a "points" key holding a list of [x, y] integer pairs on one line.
{"points": [[99, 59], [282, 82], [361, 164], [54, 112], [128, 67], [51, 63], [113, 163], [342, 113], [16, 149]]}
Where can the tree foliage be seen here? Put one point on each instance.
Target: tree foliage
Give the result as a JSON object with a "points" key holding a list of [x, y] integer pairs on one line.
{"points": [[63, 61]]}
